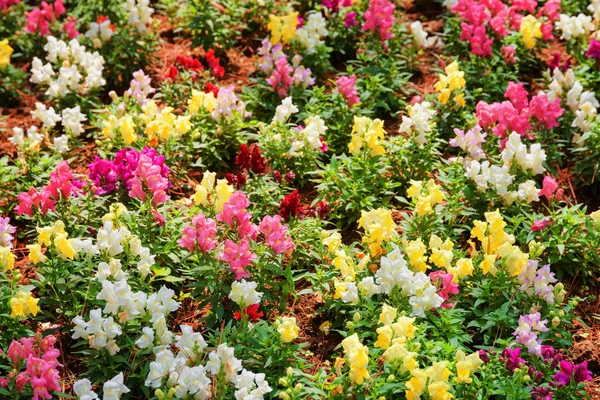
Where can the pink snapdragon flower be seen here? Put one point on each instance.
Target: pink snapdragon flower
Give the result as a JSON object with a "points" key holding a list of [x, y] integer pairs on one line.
{"points": [[446, 287], [238, 257], [347, 87], [276, 235], [541, 224], [379, 17], [62, 185], [281, 78], [70, 27], [235, 214], [202, 234], [4, 4], [39, 19], [148, 178], [549, 186]]}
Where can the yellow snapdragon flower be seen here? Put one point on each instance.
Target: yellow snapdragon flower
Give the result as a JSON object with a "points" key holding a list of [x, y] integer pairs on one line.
{"points": [[333, 240], [531, 29], [416, 384], [466, 365], [23, 304], [358, 356], [452, 81], [127, 129], [5, 53], [415, 250], [64, 246], [379, 227], [7, 259], [283, 28], [344, 264], [426, 196], [388, 315], [200, 100], [224, 192], [367, 131], [35, 253], [287, 328]]}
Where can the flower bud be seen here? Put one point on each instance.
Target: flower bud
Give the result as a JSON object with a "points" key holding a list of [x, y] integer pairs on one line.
{"points": [[289, 371], [391, 378], [171, 393], [555, 322], [18, 276], [159, 394], [526, 378], [561, 313], [356, 317], [298, 388], [349, 325], [284, 382], [284, 396]]}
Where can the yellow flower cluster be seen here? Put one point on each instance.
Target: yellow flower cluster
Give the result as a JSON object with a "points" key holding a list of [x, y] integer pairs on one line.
{"points": [[369, 131], [164, 124], [158, 125], [35, 253], [415, 250], [287, 328], [358, 357], [379, 227], [7, 259], [207, 192], [426, 197], [495, 242], [392, 335], [466, 365], [283, 28], [435, 378], [441, 252], [200, 100], [56, 234], [23, 305], [453, 80], [531, 29], [5, 53]]}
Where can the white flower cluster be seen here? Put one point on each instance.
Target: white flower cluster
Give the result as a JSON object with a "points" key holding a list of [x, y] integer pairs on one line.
{"points": [[394, 272], [99, 31], [516, 150], [194, 380], [582, 103], [244, 293], [101, 332], [78, 70], [113, 389], [311, 135], [285, 110], [31, 141], [421, 38], [499, 177], [573, 27], [485, 174], [140, 14], [594, 8], [418, 121], [310, 34], [111, 241]]}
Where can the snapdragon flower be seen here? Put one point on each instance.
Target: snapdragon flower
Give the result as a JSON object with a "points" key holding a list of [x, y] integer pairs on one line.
{"points": [[244, 293], [309, 36], [285, 110], [346, 85], [379, 18], [139, 14], [574, 26]]}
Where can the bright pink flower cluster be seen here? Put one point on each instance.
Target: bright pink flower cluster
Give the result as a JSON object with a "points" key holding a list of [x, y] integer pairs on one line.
{"points": [[39, 19], [62, 185], [516, 114], [4, 4], [477, 16], [235, 215], [281, 78], [70, 27], [380, 17], [335, 5], [549, 186], [445, 287], [276, 234], [202, 234], [148, 180], [347, 87], [106, 174], [41, 368], [238, 257]]}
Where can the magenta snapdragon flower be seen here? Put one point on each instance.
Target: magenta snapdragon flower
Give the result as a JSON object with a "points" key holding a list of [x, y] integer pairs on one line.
{"points": [[347, 87], [202, 234], [238, 257], [379, 17]]}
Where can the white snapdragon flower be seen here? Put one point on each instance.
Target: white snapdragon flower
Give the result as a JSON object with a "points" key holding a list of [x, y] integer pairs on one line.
{"points": [[140, 14], [101, 30], [83, 390], [189, 341], [48, 116], [313, 131], [114, 388], [147, 338], [61, 144], [351, 293], [72, 119], [285, 110], [41, 73], [418, 121], [309, 36], [574, 26], [244, 293]]}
